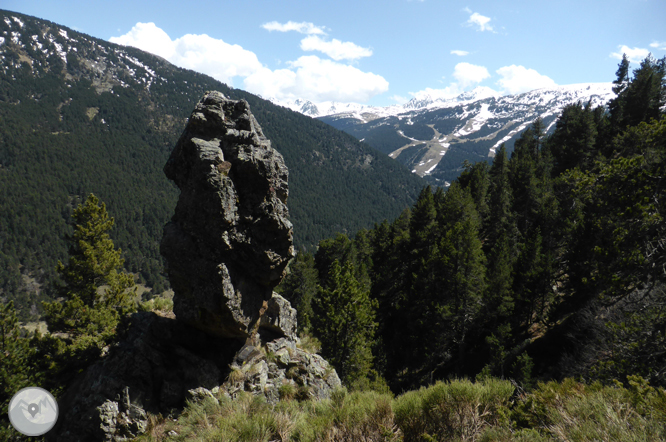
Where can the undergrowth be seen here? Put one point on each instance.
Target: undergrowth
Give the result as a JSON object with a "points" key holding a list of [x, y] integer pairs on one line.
{"points": [[457, 410]]}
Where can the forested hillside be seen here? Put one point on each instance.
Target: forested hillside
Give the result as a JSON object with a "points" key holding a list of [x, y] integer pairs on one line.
{"points": [[546, 264], [79, 115]]}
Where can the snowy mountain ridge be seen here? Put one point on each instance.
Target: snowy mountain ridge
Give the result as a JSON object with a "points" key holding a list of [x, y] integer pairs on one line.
{"points": [[433, 137], [362, 111]]}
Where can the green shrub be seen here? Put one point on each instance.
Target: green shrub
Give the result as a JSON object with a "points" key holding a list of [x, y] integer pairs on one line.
{"points": [[449, 410], [287, 391], [570, 410]]}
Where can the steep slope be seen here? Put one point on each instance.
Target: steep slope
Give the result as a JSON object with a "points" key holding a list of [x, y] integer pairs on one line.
{"points": [[81, 115], [434, 137]]}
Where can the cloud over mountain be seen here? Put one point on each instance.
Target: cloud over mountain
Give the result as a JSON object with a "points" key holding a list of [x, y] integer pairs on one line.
{"points": [[318, 80], [519, 79], [308, 77], [215, 57]]}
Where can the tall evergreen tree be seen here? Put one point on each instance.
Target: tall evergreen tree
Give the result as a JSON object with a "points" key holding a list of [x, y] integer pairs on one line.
{"points": [[525, 172], [476, 178], [95, 293], [462, 264], [640, 98], [345, 323], [339, 249], [573, 143], [500, 218]]}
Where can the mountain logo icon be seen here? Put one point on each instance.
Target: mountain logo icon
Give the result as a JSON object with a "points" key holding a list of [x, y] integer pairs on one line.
{"points": [[33, 411]]}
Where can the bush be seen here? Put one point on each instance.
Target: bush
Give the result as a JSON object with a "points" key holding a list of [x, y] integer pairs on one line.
{"points": [[457, 409], [573, 411], [157, 303]]}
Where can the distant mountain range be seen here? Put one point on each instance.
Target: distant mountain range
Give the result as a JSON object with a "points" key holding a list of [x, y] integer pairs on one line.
{"points": [[433, 137]]}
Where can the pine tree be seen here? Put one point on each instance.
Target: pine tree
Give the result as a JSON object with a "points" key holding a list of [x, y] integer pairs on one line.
{"points": [[476, 178], [640, 98], [573, 142], [95, 293], [339, 249], [621, 76], [524, 174], [345, 323], [500, 219]]}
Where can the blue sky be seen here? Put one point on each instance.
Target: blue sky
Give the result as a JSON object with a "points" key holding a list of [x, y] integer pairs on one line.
{"points": [[377, 52]]}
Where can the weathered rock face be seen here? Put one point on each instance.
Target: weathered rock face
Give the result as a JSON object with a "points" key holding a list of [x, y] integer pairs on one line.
{"points": [[229, 240], [151, 371], [281, 370]]}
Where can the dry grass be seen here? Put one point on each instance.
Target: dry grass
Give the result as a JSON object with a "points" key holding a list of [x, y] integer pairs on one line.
{"points": [[447, 411]]}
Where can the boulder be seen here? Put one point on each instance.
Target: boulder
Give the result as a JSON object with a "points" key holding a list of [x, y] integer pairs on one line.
{"points": [[229, 240], [281, 371], [158, 365]]}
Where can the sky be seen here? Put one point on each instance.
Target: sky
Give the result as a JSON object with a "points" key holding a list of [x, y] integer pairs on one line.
{"points": [[377, 52]]}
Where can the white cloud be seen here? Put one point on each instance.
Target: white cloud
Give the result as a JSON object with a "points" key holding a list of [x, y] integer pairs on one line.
{"points": [[635, 55], [479, 21], [459, 53], [466, 74], [451, 91], [220, 60], [147, 37], [302, 27], [317, 80], [469, 74], [518, 79], [308, 77], [661, 45], [335, 49]]}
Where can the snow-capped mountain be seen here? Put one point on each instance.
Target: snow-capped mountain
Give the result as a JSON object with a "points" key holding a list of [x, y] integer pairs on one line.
{"points": [[434, 136], [319, 109]]}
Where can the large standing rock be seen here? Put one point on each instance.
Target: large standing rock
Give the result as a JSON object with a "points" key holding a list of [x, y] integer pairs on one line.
{"points": [[229, 240], [226, 247]]}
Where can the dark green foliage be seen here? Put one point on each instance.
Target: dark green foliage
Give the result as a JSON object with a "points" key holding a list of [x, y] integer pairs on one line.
{"points": [[16, 368], [300, 287], [15, 351], [94, 293], [640, 98], [344, 321], [573, 141], [95, 297]]}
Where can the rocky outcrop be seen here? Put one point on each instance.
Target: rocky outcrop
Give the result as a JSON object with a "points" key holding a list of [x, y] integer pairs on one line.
{"points": [[226, 247], [229, 240], [281, 370], [151, 370]]}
